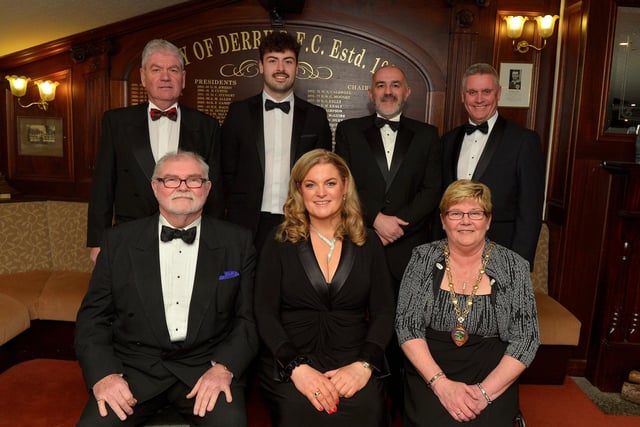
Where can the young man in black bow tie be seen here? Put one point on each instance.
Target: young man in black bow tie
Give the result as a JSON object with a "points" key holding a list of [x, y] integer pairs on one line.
{"points": [[168, 317], [504, 156], [135, 137], [263, 136]]}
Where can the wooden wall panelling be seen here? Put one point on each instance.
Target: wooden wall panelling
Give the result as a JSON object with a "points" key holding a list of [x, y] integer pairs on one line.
{"points": [[582, 245], [347, 47], [34, 167], [564, 135], [615, 347]]}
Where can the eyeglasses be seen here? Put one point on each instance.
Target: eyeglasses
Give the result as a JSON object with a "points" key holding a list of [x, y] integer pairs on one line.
{"points": [[458, 215], [176, 182]]}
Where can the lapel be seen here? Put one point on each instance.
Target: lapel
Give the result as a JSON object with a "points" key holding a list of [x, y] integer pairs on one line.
{"points": [[256, 116], [299, 118], [144, 255], [138, 133], [325, 291], [403, 141], [489, 150], [209, 266], [457, 146], [374, 139]]}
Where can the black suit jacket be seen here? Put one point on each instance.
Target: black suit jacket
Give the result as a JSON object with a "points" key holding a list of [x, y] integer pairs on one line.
{"points": [[121, 325], [121, 187], [410, 189], [512, 166], [243, 152]]}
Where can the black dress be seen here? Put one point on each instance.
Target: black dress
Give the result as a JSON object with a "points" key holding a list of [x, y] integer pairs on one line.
{"points": [[469, 364], [331, 325]]}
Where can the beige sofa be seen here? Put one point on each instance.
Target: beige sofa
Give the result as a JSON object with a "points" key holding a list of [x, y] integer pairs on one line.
{"points": [[559, 328], [44, 264]]}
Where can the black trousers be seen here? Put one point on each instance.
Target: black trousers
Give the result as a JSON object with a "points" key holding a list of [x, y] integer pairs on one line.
{"points": [[224, 414]]}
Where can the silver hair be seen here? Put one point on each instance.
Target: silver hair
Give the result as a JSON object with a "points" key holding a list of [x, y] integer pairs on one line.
{"points": [[156, 45]]}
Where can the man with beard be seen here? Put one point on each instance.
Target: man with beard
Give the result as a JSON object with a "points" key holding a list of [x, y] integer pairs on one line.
{"points": [[168, 317], [396, 162], [263, 136]]}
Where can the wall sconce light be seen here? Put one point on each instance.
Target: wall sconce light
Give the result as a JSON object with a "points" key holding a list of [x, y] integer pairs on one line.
{"points": [[515, 25], [46, 88]]}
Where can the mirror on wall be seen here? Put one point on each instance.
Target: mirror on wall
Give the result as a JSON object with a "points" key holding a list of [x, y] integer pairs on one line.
{"points": [[623, 106]]}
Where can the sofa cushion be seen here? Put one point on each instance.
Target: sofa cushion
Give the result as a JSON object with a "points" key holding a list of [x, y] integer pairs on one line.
{"points": [[62, 294], [557, 325], [14, 318], [25, 287]]}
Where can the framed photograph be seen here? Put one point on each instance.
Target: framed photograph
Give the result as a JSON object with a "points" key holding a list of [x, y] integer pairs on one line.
{"points": [[40, 136], [515, 79]]}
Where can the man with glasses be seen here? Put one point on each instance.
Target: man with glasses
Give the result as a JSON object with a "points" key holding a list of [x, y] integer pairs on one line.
{"points": [[504, 156], [168, 317], [135, 137]]}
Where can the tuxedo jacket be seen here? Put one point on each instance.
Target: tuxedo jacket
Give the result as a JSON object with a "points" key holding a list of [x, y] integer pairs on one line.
{"points": [[243, 152], [121, 187], [410, 189], [512, 166], [121, 325]]}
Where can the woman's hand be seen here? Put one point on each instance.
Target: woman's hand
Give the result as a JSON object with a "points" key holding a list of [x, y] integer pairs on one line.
{"points": [[349, 379], [316, 387], [459, 399]]}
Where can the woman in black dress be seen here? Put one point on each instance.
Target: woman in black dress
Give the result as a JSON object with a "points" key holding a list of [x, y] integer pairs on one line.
{"points": [[324, 305], [466, 320]]}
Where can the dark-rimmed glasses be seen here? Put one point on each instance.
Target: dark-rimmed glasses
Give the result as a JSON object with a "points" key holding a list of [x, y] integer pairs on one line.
{"points": [[192, 182], [458, 215]]}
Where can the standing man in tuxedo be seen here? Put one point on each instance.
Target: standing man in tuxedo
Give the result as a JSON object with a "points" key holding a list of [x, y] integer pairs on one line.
{"points": [[168, 317], [263, 136], [502, 155], [397, 165], [135, 137]]}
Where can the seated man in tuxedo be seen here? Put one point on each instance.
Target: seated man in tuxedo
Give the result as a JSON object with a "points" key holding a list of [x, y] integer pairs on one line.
{"points": [[168, 317]]}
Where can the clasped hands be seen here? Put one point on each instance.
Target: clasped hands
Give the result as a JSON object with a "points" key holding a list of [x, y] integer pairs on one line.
{"points": [[113, 390], [324, 390], [464, 402], [389, 228]]}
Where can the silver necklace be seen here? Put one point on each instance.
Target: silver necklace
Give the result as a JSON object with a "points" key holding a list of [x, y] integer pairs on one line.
{"points": [[331, 243]]}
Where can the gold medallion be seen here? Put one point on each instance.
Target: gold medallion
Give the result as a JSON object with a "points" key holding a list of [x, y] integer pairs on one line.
{"points": [[459, 335]]}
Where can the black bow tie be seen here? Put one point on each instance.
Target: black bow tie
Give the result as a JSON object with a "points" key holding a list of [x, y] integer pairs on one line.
{"points": [[168, 234], [171, 114], [482, 127], [380, 122], [284, 106]]}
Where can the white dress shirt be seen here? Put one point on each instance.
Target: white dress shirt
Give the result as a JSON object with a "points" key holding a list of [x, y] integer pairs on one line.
{"points": [[164, 133], [178, 262], [472, 148], [278, 127], [389, 139]]}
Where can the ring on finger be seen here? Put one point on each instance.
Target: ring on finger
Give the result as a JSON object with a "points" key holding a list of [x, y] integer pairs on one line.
{"points": [[317, 393]]}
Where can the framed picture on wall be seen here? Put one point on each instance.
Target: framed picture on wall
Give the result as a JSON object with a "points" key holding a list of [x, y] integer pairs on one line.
{"points": [[515, 79], [40, 136]]}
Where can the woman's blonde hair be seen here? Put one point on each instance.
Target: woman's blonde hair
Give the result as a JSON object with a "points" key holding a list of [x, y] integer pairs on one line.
{"points": [[465, 189], [295, 226]]}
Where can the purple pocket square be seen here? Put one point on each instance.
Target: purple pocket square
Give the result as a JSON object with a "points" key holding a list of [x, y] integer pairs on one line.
{"points": [[229, 275]]}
